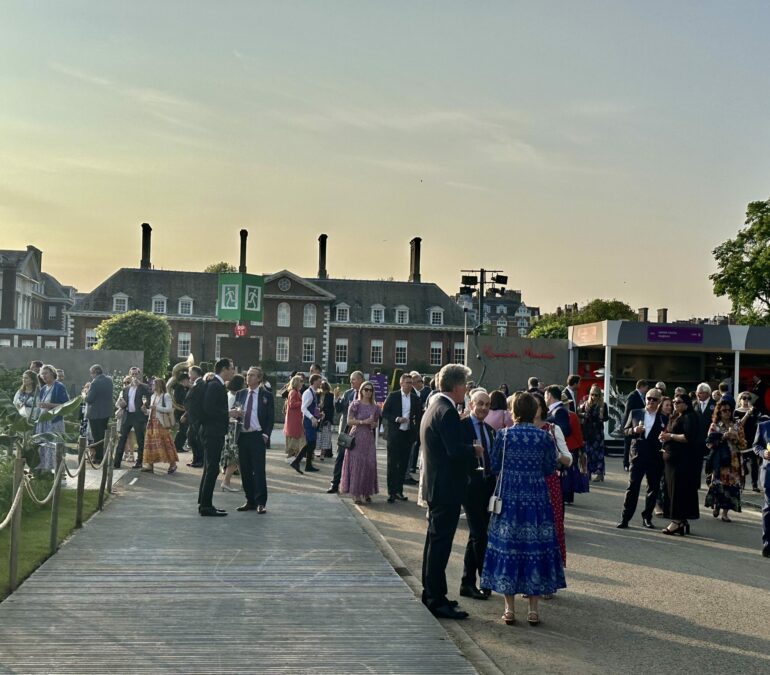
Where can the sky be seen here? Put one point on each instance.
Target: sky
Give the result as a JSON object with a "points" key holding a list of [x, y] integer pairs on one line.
{"points": [[586, 148]]}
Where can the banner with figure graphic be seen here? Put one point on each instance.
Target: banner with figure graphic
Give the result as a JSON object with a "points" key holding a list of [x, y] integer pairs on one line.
{"points": [[240, 298]]}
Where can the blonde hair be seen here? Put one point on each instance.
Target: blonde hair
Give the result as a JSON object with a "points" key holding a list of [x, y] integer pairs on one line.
{"points": [[296, 382]]}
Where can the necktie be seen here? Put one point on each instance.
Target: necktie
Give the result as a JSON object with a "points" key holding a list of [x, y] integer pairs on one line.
{"points": [[483, 443], [247, 420]]}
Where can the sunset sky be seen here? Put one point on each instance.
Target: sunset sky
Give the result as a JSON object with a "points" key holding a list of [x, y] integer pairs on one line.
{"points": [[587, 148]]}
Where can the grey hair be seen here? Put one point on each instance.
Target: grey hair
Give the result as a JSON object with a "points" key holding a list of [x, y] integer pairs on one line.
{"points": [[96, 369], [451, 376], [478, 392], [358, 374], [704, 386]]}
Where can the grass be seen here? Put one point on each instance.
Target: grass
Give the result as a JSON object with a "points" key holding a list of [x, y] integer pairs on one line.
{"points": [[36, 531]]}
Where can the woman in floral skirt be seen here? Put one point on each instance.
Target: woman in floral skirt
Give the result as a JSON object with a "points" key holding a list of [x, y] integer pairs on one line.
{"points": [[158, 444]]}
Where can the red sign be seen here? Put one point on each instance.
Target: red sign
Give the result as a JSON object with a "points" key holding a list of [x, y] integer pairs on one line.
{"points": [[527, 353], [241, 330]]}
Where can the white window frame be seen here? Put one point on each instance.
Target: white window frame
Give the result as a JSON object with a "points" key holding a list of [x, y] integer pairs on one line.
{"points": [[182, 338], [184, 300], [459, 351], [218, 345], [282, 344], [162, 301], [378, 314], [308, 355], [52, 313], [376, 357], [436, 349], [117, 300], [26, 343], [341, 349], [502, 330], [283, 315], [50, 344], [436, 316], [90, 338], [401, 345], [402, 310], [342, 313], [5, 342], [309, 315]]}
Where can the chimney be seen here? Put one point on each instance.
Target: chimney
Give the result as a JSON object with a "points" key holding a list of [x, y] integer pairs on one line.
{"points": [[643, 313], [322, 273], [663, 315], [414, 263], [146, 237], [242, 266]]}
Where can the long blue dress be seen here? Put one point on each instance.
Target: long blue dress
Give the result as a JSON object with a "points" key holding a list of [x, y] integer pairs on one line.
{"points": [[523, 553]]}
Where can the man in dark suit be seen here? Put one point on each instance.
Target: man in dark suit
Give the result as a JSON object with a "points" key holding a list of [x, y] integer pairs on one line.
{"points": [[342, 406], [635, 401], [480, 489], [571, 390], [447, 456], [703, 406], [557, 412], [422, 393], [133, 399], [215, 423], [100, 407], [762, 449], [255, 427], [643, 428], [401, 413], [193, 406]]}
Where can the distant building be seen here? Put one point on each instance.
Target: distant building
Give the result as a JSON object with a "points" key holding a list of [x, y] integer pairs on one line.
{"points": [[32, 303], [504, 315]]}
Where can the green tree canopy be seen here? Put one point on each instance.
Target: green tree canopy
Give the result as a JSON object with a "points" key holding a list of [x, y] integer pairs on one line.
{"points": [[555, 325], [744, 267], [220, 268], [142, 331]]}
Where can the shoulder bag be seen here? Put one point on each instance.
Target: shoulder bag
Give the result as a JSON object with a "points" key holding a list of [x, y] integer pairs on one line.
{"points": [[496, 500]]}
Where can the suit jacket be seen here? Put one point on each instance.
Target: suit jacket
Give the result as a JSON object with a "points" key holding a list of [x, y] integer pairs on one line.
{"points": [[216, 411], [635, 401], [193, 402], [99, 398], [343, 405], [704, 420], [423, 395], [265, 408], [447, 454], [489, 438], [142, 391], [572, 403], [560, 416], [761, 441], [648, 445], [393, 408]]}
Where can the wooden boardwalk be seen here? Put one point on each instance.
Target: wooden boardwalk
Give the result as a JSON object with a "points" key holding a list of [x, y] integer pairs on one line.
{"points": [[150, 587]]}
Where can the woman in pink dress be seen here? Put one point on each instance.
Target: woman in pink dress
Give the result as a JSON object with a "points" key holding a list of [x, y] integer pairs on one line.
{"points": [[498, 416], [359, 468]]}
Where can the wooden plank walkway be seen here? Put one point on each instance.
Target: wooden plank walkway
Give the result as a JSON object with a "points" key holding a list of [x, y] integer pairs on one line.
{"points": [[150, 587]]}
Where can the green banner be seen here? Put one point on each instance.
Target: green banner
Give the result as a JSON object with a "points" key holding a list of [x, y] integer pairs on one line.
{"points": [[240, 297]]}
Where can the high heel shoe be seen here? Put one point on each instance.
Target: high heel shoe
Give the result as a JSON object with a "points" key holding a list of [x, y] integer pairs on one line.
{"points": [[679, 530], [229, 488], [725, 519]]}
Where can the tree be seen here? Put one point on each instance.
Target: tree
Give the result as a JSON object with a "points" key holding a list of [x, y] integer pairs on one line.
{"points": [[220, 268], [555, 325], [142, 331], [744, 267]]}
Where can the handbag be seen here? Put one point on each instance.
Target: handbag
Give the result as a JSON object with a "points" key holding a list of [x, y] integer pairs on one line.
{"points": [[496, 500], [346, 441]]}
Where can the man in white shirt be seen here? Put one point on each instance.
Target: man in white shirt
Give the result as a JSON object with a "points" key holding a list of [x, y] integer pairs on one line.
{"points": [[573, 381], [309, 424], [401, 412]]}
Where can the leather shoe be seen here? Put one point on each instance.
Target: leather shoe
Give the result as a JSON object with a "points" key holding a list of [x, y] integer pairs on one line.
{"points": [[410, 481], [247, 507], [647, 522], [448, 612], [766, 552], [311, 469], [210, 511], [295, 466], [622, 525], [137, 465], [391, 499], [402, 498], [332, 490], [487, 592], [472, 592]]}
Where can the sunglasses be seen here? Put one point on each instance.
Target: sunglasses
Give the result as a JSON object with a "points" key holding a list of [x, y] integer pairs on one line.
{"points": [[653, 398], [744, 398], [367, 389]]}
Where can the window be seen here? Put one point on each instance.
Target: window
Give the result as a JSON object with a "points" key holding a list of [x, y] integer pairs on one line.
{"points": [[284, 315], [309, 316], [185, 306], [401, 352], [119, 303], [343, 313], [436, 353], [27, 343], [378, 314], [308, 350], [218, 345], [282, 349], [51, 312], [460, 352], [402, 315], [50, 344], [159, 304], [376, 352], [183, 344], [437, 317], [5, 342], [341, 354], [502, 331], [91, 338]]}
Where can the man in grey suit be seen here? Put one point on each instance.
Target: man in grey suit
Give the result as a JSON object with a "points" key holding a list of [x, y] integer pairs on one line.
{"points": [[99, 407], [356, 380]]}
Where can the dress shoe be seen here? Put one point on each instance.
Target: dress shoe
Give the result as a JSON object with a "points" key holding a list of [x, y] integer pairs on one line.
{"points": [[247, 507], [295, 466], [766, 552], [486, 591], [137, 465], [332, 490], [402, 497], [410, 481], [472, 592], [195, 465], [311, 469], [212, 512], [622, 525], [391, 499], [449, 612], [453, 603], [647, 522]]}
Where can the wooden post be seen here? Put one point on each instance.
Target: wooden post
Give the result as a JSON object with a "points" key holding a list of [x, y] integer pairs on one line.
{"points": [[81, 484], [13, 563], [113, 434], [54, 542], [105, 464]]}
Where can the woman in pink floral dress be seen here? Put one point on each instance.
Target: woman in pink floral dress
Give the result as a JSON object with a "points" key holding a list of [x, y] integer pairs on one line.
{"points": [[359, 468]]}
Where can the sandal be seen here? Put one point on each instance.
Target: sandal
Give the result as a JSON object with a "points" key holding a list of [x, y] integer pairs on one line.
{"points": [[509, 618], [171, 469], [358, 501], [532, 618]]}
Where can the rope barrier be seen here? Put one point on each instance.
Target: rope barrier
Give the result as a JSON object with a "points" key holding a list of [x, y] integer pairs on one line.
{"points": [[28, 483], [14, 506], [81, 465]]}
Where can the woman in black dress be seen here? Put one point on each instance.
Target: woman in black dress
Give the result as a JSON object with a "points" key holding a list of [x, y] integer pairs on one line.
{"points": [[683, 465]]}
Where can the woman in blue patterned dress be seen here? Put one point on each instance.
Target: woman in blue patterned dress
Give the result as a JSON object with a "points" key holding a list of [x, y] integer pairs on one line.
{"points": [[523, 554]]}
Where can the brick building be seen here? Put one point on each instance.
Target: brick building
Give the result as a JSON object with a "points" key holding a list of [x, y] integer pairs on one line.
{"points": [[504, 315]]}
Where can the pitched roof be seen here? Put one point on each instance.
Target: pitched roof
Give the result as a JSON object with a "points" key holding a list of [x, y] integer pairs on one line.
{"points": [[52, 288], [12, 258]]}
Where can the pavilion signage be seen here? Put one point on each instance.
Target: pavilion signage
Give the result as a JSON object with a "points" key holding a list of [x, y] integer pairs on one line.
{"points": [[680, 334], [240, 297]]}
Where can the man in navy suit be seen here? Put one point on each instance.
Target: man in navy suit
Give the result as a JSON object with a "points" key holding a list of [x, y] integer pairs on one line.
{"points": [[635, 401], [401, 414], [447, 456], [762, 448], [557, 412], [255, 427]]}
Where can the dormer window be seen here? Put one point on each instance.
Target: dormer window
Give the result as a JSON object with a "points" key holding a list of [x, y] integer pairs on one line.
{"points": [[159, 304], [342, 314], [185, 306], [119, 303], [436, 316], [378, 314], [402, 315]]}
